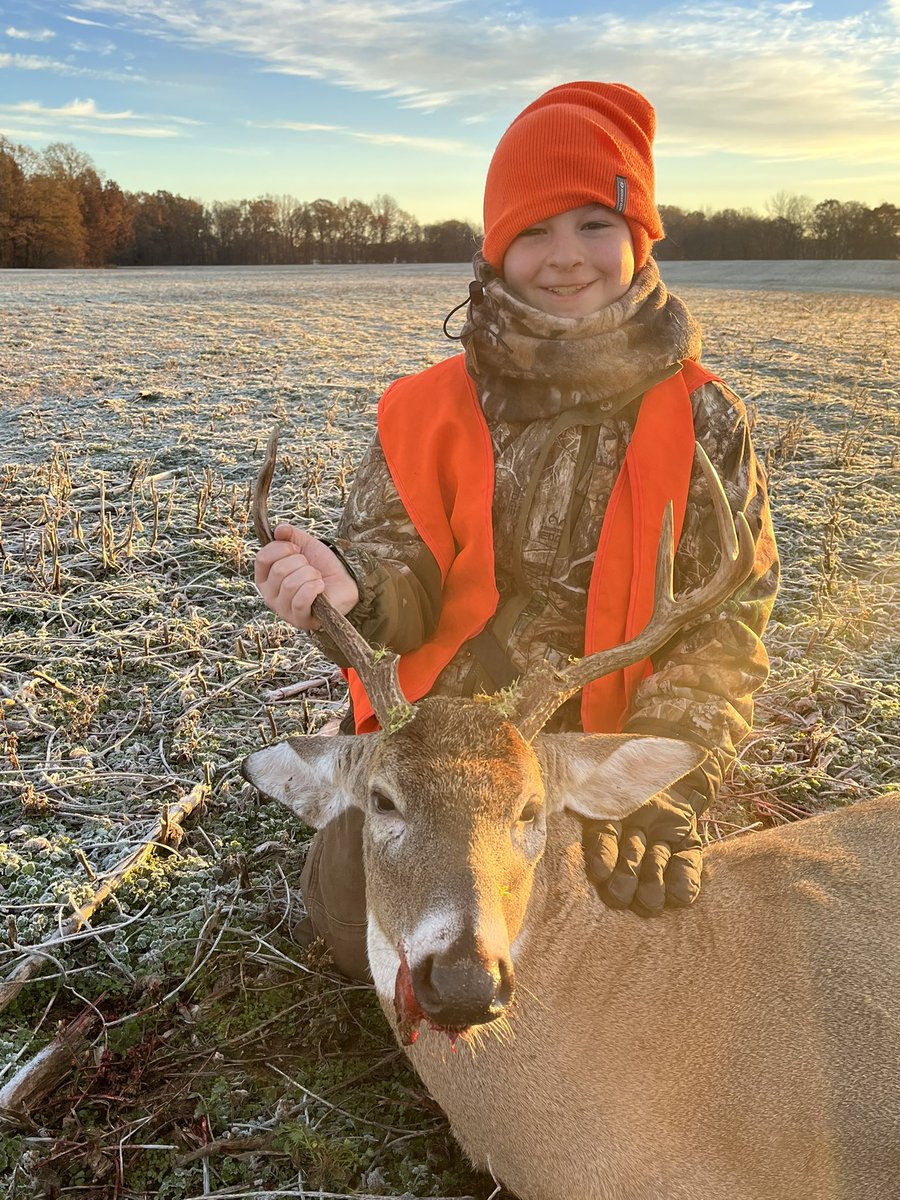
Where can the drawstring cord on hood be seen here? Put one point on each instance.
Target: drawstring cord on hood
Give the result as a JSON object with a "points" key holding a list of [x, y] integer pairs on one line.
{"points": [[475, 296]]}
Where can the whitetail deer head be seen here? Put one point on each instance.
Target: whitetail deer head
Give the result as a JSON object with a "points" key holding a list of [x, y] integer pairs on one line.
{"points": [[456, 805], [456, 798]]}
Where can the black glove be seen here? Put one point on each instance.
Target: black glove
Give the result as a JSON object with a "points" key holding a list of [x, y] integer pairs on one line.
{"points": [[651, 859]]}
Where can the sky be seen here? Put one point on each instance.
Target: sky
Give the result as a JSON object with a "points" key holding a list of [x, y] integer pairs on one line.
{"points": [[234, 99]]}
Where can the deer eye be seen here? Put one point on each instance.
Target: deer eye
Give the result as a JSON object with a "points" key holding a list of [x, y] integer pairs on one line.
{"points": [[529, 812], [382, 803]]}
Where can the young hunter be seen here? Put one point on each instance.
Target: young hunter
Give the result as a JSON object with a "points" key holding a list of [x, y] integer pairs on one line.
{"points": [[508, 511]]}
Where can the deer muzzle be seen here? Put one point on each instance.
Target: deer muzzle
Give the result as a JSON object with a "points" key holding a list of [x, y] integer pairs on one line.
{"points": [[460, 987]]}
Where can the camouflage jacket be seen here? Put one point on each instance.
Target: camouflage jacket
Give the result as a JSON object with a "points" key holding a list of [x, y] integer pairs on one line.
{"points": [[561, 399]]}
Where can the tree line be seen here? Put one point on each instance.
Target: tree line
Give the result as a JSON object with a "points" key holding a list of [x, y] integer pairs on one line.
{"points": [[793, 227], [57, 210]]}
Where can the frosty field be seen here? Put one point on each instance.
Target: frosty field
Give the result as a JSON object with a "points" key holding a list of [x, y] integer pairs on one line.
{"points": [[138, 666]]}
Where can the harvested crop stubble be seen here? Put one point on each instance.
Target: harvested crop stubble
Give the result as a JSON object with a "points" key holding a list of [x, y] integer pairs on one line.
{"points": [[135, 656]]}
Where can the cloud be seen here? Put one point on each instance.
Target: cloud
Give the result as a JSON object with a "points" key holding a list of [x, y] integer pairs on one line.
{"points": [[297, 126], [761, 80], [85, 21], [30, 35], [435, 145], [75, 108], [31, 119], [407, 141], [103, 49], [37, 62]]}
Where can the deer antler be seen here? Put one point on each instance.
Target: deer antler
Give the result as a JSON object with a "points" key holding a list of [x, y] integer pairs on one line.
{"points": [[548, 689], [376, 668]]}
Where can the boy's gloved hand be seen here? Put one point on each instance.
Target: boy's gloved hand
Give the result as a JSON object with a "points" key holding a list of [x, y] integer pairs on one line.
{"points": [[293, 569], [649, 860]]}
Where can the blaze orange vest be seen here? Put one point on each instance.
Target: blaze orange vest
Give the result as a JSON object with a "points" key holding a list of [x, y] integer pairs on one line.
{"points": [[438, 449]]}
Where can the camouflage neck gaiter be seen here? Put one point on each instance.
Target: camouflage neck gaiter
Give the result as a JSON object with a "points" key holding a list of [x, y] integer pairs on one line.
{"points": [[528, 364]]}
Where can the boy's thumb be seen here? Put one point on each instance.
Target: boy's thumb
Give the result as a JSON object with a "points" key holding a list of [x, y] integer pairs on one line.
{"points": [[288, 533]]}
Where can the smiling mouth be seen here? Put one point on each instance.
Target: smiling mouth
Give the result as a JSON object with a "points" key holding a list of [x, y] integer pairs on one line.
{"points": [[567, 291]]}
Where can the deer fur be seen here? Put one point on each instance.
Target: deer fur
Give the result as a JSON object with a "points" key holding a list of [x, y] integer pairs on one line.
{"points": [[747, 1048]]}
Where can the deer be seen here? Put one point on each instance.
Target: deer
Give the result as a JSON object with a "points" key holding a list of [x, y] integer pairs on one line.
{"points": [[746, 1048]]}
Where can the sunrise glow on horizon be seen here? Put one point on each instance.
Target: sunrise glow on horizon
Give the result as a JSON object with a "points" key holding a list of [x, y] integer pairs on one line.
{"points": [[221, 99]]}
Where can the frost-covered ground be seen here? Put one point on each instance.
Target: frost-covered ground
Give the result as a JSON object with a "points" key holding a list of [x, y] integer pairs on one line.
{"points": [[821, 275], [136, 661]]}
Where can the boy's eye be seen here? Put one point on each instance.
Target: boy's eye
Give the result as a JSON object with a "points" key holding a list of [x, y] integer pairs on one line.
{"points": [[532, 231], [596, 225]]}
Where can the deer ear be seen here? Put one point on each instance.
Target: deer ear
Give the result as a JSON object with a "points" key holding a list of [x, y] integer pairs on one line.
{"points": [[313, 776], [607, 776]]}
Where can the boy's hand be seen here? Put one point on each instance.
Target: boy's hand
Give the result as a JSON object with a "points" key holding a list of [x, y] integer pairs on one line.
{"points": [[651, 859], [295, 568]]}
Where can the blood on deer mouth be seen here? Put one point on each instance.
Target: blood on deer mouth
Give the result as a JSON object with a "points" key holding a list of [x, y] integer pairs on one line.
{"points": [[408, 1010]]}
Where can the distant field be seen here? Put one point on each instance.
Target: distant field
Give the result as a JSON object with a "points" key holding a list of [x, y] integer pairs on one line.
{"points": [[136, 661], [878, 277]]}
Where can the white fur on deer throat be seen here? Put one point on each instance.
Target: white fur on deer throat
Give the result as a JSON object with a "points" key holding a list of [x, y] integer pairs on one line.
{"points": [[384, 961]]}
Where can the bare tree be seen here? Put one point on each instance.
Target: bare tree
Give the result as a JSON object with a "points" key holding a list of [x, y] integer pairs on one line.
{"points": [[787, 206]]}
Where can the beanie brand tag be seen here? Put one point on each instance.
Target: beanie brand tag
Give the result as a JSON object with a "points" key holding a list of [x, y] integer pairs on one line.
{"points": [[621, 193]]}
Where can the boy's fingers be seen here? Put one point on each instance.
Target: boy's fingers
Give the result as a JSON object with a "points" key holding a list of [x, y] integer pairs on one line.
{"points": [[683, 878], [269, 556], [301, 604], [651, 890], [600, 842], [301, 576], [624, 880], [287, 566], [295, 568], [303, 587]]}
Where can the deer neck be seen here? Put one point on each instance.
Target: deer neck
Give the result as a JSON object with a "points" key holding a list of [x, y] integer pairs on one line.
{"points": [[509, 1081], [565, 918]]}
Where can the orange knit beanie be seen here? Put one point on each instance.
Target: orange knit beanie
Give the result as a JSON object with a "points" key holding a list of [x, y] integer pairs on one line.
{"points": [[579, 143]]}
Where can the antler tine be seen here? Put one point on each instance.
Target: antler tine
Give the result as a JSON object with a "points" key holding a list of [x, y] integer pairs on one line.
{"points": [[261, 523], [376, 668], [664, 582], [544, 694]]}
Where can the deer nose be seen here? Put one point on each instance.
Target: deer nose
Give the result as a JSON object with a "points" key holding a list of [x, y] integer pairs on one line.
{"points": [[457, 990]]}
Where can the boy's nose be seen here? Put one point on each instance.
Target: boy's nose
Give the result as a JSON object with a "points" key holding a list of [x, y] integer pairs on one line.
{"points": [[565, 252]]}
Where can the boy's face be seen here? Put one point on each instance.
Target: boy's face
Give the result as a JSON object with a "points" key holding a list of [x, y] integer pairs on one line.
{"points": [[573, 264]]}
